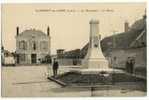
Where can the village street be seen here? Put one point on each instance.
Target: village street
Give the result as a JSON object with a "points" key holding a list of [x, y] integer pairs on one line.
{"points": [[31, 81]]}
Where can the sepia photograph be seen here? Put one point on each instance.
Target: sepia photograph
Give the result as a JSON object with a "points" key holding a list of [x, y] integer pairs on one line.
{"points": [[74, 49]]}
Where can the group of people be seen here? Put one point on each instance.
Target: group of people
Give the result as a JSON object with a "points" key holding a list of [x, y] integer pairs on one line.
{"points": [[130, 65]]}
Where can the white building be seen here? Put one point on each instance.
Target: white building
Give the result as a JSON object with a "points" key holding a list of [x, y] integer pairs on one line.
{"points": [[32, 46]]}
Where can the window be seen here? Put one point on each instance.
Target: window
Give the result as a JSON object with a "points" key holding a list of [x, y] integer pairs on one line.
{"points": [[34, 46], [22, 45]]}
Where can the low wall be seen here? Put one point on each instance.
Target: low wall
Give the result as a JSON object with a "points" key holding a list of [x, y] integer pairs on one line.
{"points": [[66, 62]]}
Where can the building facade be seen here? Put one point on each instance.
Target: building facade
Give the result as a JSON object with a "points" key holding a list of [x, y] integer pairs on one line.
{"points": [[32, 46]]}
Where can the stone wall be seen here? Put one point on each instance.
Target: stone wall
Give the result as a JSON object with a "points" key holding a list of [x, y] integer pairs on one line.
{"points": [[138, 54]]}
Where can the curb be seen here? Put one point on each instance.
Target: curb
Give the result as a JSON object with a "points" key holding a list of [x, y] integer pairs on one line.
{"points": [[57, 81]]}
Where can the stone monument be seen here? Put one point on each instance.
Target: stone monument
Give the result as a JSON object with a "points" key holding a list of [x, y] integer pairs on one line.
{"points": [[94, 57], [94, 61]]}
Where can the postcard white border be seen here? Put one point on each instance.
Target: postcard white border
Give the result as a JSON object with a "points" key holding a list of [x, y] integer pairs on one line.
{"points": [[83, 1]]}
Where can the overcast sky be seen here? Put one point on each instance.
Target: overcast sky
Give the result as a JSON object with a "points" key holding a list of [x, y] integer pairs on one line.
{"points": [[69, 23]]}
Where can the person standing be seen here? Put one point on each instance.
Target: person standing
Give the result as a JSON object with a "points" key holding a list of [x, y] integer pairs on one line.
{"points": [[132, 62], [127, 66], [55, 67]]}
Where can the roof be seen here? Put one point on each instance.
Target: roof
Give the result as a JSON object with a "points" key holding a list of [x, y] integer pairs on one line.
{"points": [[139, 24], [124, 39], [143, 34], [32, 32], [71, 54]]}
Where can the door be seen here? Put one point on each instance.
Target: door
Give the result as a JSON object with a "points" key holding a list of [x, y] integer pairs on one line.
{"points": [[18, 59], [33, 58]]}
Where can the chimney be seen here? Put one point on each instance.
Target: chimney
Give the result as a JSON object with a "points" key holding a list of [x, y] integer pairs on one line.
{"points": [[144, 16], [17, 30], [48, 31], [126, 26]]}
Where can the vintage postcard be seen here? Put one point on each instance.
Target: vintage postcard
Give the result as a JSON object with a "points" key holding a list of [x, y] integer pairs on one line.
{"points": [[74, 49]]}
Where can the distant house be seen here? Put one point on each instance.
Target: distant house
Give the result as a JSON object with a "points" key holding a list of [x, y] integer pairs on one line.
{"points": [[32, 46], [7, 58], [71, 57]]}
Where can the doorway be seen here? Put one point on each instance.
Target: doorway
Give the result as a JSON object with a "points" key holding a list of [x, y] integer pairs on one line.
{"points": [[18, 59], [33, 58]]}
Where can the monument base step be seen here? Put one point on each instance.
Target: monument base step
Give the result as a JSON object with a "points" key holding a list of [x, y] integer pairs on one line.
{"points": [[98, 71]]}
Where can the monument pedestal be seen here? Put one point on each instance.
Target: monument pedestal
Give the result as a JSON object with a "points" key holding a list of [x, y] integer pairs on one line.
{"points": [[99, 71], [94, 62]]}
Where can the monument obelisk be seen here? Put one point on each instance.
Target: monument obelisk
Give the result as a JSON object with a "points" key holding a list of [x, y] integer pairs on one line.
{"points": [[94, 60]]}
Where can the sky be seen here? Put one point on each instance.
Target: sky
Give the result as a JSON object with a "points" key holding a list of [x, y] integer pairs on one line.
{"points": [[69, 23]]}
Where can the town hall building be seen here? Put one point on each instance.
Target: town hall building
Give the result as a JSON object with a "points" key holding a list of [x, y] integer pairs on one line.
{"points": [[32, 46]]}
